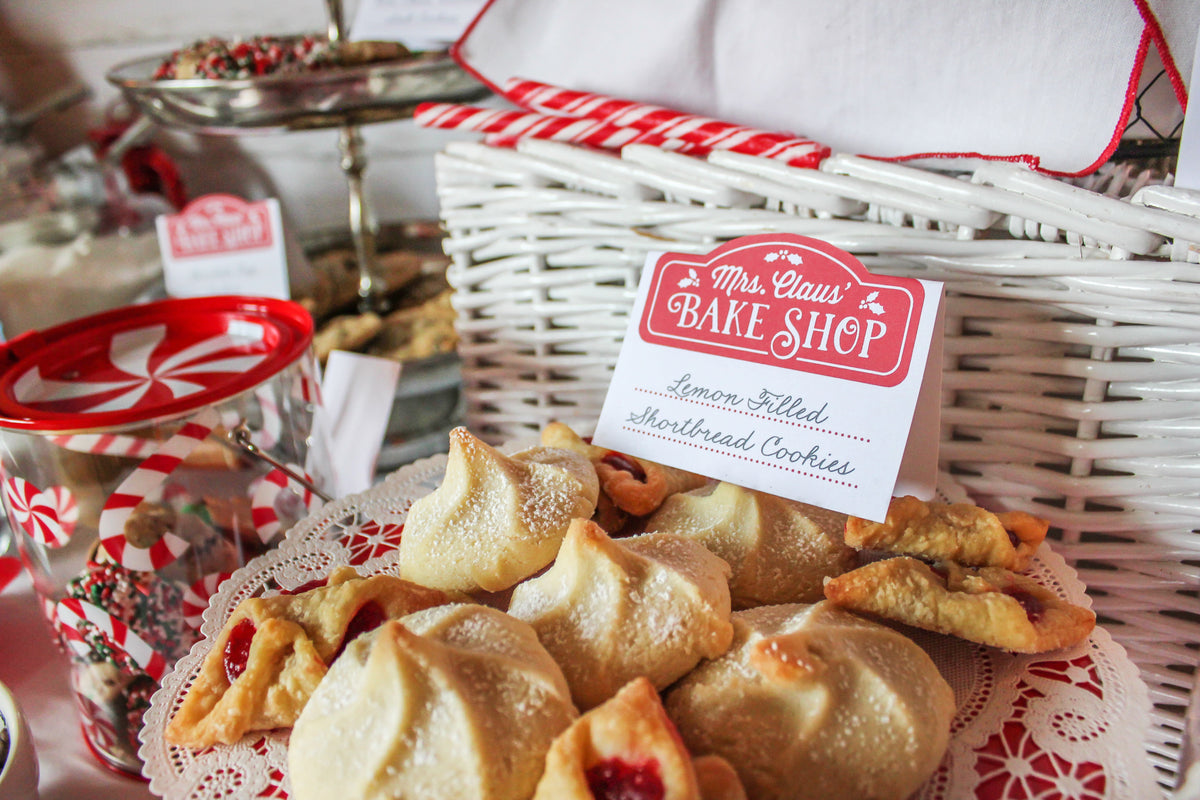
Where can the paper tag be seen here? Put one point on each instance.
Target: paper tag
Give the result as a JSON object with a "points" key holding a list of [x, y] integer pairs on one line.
{"points": [[220, 244], [418, 24], [356, 401], [777, 362]]}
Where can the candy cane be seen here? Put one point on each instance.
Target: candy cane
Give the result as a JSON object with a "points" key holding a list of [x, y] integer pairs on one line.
{"points": [[674, 145], [262, 505], [106, 444], [71, 612], [665, 122], [521, 124], [137, 486], [49, 517], [272, 421], [196, 597], [307, 386]]}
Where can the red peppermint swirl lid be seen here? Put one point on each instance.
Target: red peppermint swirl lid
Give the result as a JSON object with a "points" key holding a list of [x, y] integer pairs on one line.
{"points": [[147, 362]]}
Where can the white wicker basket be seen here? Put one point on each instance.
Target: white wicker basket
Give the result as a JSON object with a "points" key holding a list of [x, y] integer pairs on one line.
{"points": [[1072, 355]]}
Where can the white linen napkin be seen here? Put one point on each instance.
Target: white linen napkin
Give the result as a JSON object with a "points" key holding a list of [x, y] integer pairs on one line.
{"points": [[1048, 82]]}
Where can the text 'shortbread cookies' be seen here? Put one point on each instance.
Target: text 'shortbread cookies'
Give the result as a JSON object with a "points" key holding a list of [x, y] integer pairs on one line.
{"points": [[628, 748], [273, 652], [457, 702], [780, 550], [636, 486], [812, 701], [495, 519], [612, 610], [991, 605], [960, 532]]}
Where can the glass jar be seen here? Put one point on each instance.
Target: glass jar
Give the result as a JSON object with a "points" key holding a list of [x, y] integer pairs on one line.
{"points": [[147, 453]]}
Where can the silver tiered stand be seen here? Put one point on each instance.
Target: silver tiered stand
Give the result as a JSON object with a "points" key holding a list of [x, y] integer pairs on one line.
{"points": [[341, 97]]}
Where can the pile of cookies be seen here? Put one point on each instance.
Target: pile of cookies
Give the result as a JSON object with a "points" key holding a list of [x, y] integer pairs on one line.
{"points": [[572, 622], [420, 323]]}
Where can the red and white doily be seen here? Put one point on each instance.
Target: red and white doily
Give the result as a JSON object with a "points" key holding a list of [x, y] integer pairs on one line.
{"points": [[1068, 724]]}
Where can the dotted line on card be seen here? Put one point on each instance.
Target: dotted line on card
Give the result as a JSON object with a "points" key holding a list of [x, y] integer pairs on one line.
{"points": [[772, 464], [852, 437]]}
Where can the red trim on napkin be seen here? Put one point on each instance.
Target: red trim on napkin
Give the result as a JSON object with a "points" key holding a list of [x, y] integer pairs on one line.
{"points": [[456, 52], [1034, 162]]}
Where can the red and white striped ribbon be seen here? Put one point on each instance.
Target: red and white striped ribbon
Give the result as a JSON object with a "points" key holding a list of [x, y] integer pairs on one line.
{"points": [[196, 597], [262, 505], [700, 131], [71, 612], [139, 485]]}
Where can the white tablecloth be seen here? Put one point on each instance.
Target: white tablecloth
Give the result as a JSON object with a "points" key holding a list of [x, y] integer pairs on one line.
{"points": [[36, 672]]}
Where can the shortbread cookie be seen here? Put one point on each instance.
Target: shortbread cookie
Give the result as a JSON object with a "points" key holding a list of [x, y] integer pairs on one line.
{"points": [[960, 532], [273, 651], [780, 550], [454, 702], [495, 519], [812, 701], [991, 605], [636, 485], [628, 748], [612, 610]]}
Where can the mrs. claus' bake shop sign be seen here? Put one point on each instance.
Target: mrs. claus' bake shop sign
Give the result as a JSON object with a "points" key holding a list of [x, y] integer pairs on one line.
{"points": [[780, 363], [799, 305]]}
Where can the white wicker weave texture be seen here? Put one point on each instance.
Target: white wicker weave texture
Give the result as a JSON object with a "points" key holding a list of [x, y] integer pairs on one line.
{"points": [[1071, 384]]}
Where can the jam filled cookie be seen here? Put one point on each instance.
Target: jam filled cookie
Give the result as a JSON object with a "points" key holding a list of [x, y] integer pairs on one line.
{"points": [[635, 485], [960, 532], [628, 748], [780, 550], [991, 605], [612, 610], [454, 702], [815, 702], [273, 651], [495, 519]]}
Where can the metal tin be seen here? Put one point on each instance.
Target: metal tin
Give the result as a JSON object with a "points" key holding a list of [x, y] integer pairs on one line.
{"points": [[145, 454]]}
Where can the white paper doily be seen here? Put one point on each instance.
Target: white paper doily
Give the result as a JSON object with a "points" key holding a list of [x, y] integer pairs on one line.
{"points": [[1065, 724]]}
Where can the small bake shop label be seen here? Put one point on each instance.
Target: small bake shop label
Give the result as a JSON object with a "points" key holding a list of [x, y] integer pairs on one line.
{"points": [[780, 363], [802, 305], [221, 244]]}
